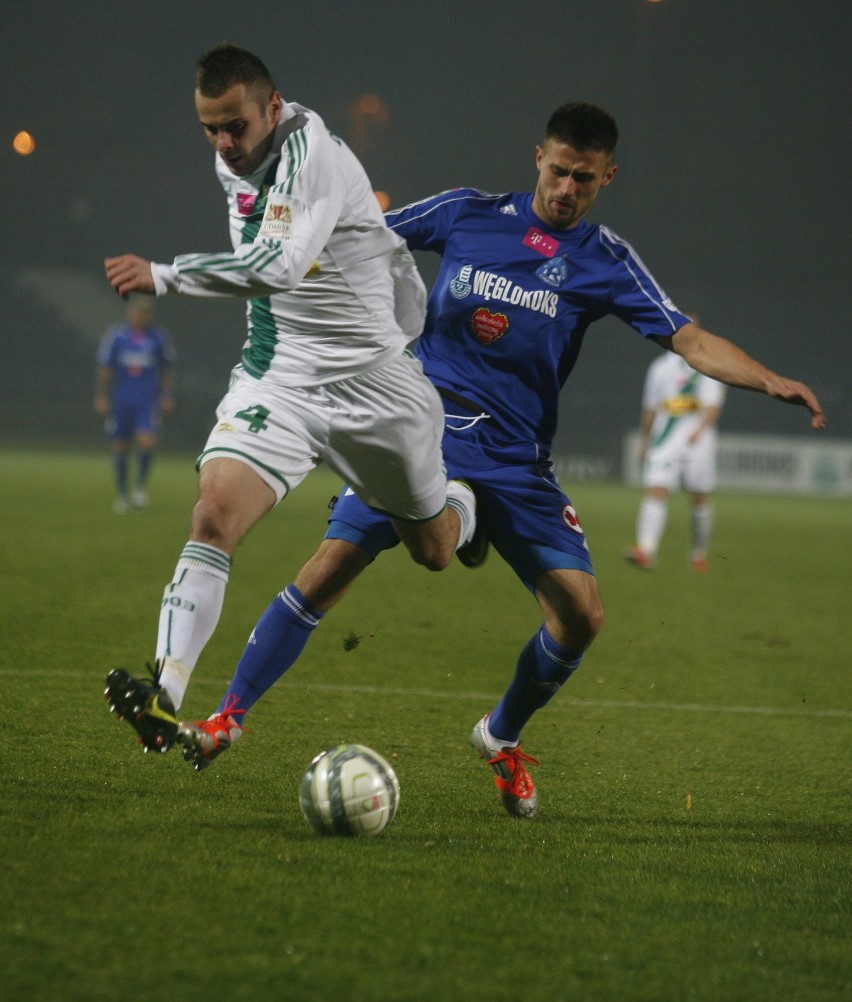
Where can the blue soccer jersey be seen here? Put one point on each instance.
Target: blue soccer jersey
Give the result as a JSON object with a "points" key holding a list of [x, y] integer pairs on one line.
{"points": [[514, 298], [137, 357]]}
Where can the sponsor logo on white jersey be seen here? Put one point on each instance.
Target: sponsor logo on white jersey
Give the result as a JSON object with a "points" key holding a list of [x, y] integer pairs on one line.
{"points": [[277, 220]]}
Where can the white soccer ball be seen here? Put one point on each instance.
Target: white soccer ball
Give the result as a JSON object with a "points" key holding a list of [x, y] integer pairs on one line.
{"points": [[349, 790]]}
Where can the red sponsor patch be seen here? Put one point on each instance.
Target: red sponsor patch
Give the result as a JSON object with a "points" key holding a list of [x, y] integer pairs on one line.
{"points": [[569, 516], [541, 242], [488, 326], [245, 203]]}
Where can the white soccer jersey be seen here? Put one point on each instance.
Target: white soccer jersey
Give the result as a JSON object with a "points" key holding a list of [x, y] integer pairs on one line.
{"points": [[679, 395], [312, 254]]}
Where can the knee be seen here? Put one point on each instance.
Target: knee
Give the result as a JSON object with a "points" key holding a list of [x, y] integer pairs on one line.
{"points": [[433, 558], [594, 621], [210, 522], [431, 544], [578, 627]]}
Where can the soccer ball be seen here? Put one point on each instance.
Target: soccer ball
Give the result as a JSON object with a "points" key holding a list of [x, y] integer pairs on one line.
{"points": [[349, 790]]}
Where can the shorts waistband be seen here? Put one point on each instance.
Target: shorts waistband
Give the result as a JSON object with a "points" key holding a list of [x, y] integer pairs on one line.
{"points": [[460, 400]]}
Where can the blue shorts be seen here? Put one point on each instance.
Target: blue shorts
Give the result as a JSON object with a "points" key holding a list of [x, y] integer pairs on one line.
{"points": [[129, 418], [530, 520]]}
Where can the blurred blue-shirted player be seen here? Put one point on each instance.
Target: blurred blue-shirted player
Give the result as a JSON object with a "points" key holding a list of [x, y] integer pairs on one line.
{"points": [[522, 277], [134, 386]]}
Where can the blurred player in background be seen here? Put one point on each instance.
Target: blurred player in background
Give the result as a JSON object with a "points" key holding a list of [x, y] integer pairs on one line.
{"points": [[134, 386], [334, 298], [678, 442], [522, 277]]}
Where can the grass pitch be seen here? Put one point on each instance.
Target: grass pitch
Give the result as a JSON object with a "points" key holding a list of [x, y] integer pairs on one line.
{"points": [[694, 829]]}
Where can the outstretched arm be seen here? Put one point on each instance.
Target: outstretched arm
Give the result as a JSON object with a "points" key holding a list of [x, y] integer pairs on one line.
{"points": [[723, 360]]}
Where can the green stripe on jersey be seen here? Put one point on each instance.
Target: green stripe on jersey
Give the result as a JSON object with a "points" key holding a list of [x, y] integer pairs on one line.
{"points": [[297, 152], [260, 348]]}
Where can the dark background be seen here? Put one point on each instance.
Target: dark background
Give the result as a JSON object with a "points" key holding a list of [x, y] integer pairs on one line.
{"points": [[732, 183]]}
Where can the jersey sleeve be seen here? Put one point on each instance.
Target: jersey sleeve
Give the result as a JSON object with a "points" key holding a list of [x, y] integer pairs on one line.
{"points": [[105, 353], [635, 296], [302, 209], [425, 225]]}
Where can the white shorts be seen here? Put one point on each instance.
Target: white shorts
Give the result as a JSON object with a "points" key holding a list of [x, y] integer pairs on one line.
{"points": [[676, 463], [379, 431]]}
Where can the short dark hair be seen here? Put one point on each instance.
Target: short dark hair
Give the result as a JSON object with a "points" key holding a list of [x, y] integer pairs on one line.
{"points": [[583, 126], [220, 68]]}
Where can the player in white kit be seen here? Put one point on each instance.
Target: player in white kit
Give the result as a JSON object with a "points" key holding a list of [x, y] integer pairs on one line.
{"points": [[333, 300], [678, 444]]}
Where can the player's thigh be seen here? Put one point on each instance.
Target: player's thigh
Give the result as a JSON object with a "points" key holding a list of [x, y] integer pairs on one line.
{"points": [[530, 520], [277, 432], [121, 422], [355, 522], [231, 499], [699, 475], [385, 441], [146, 419], [663, 467]]}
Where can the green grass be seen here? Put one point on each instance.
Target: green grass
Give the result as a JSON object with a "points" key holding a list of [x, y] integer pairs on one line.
{"points": [[694, 831]]}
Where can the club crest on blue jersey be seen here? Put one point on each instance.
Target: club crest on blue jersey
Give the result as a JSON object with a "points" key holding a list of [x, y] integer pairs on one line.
{"points": [[553, 272], [460, 287]]}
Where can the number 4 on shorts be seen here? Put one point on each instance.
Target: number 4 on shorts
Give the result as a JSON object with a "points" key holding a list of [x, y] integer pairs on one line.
{"points": [[256, 417]]}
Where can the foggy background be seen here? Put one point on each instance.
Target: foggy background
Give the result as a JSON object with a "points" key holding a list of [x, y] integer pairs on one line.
{"points": [[732, 184]]}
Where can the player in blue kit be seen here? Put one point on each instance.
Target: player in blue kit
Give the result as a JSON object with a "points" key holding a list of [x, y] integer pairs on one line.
{"points": [[134, 386], [522, 277]]}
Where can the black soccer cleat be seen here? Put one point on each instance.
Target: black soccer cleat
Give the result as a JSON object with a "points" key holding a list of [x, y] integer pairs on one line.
{"points": [[145, 705]]}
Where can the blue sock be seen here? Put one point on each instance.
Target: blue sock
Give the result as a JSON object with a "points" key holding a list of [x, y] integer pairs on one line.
{"points": [[120, 464], [543, 668], [144, 465], [274, 645]]}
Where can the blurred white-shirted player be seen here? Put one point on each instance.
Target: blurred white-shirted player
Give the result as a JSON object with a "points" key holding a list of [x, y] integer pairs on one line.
{"points": [[333, 300], [678, 442]]}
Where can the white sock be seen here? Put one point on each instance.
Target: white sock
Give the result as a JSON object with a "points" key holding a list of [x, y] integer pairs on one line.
{"points": [[650, 524], [191, 607], [702, 528], [495, 745], [462, 500], [173, 676]]}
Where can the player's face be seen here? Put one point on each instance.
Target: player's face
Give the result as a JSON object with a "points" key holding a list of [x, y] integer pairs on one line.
{"points": [[239, 127], [568, 182]]}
